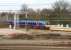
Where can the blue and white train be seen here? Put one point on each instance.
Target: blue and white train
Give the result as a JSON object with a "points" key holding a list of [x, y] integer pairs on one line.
{"points": [[40, 24]]}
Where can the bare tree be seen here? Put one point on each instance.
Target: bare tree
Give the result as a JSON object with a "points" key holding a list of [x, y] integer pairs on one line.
{"points": [[24, 8], [23, 11], [60, 13], [31, 14], [45, 13], [61, 7]]}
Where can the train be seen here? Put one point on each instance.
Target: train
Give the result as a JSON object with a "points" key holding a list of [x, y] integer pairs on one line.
{"points": [[34, 24]]}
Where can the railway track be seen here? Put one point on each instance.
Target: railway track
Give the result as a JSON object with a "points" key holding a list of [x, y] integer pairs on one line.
{"points": [[29, 45]]}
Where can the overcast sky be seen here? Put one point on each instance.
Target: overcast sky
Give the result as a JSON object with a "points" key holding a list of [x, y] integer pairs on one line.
{"points": [[35, 4]]}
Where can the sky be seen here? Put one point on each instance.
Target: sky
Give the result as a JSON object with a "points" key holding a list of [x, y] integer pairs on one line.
{"points": [[35, 4]]}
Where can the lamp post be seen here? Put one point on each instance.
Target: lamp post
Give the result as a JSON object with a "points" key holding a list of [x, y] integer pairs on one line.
{"points": [[26, 24], [14, 21]]}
